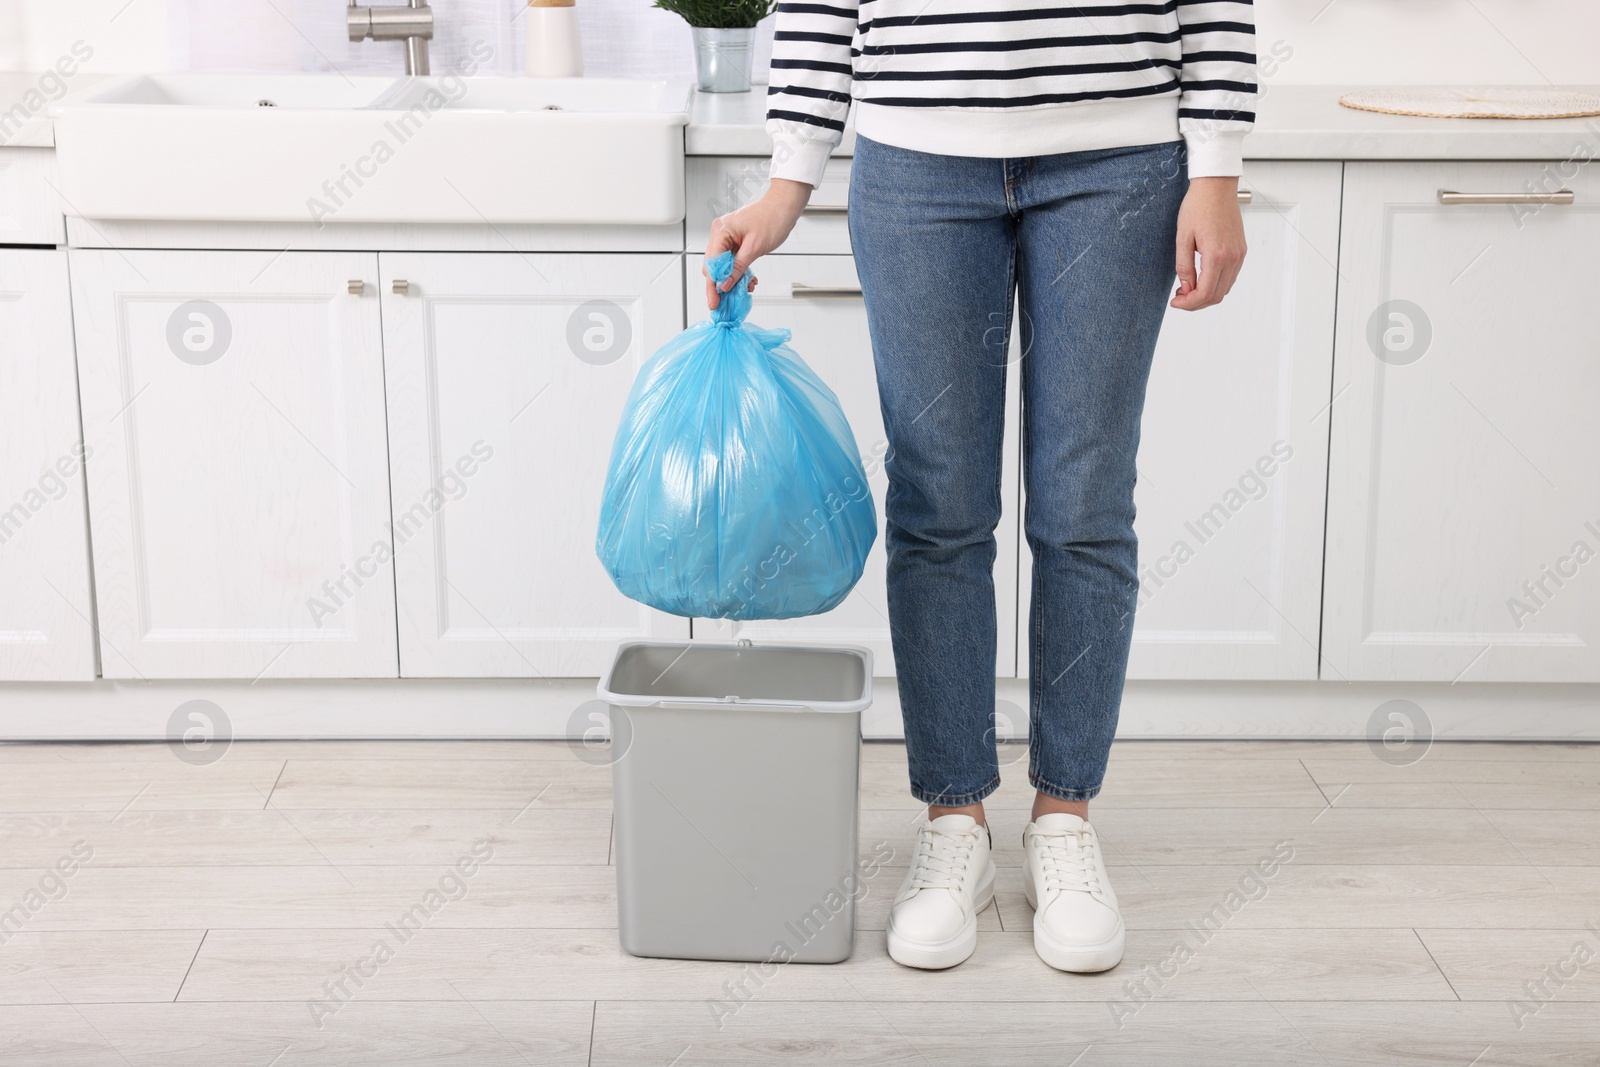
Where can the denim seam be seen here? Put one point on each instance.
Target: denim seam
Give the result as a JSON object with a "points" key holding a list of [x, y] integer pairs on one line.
{"points": [[1037, 634], [1036, 675], [1000, 430], [958, 800]]}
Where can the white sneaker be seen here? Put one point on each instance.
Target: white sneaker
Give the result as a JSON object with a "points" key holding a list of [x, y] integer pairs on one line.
{"points": [[934, 921], [1076, 923]]}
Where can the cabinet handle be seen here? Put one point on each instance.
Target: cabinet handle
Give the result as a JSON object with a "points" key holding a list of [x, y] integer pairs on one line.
{"points": [[1246, 196], [1560, 196], [401, 287], [813, 292], [357, 286], [825, 209]]}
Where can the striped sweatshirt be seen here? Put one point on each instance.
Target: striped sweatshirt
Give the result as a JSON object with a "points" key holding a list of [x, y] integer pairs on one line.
{"points": [[1009, 78]]}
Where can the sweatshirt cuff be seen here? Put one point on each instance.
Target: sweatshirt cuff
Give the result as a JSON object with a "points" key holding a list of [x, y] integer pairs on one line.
{"points": [[799, 159], [1215, 153]]}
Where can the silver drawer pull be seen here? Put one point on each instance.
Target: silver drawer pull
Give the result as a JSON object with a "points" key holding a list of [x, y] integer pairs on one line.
{"points": [[357, 287], [1246, 196], [825, 209], [401, 287], [1560, 196], [811, 292]]}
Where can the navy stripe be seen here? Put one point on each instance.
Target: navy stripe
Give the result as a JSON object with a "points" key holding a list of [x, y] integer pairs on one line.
{"points": [[1168, 37], [809, 120], [1038, 14], [1216, 27], [1066, 70], [1023, 101], [1218, 83], [817, 9], [806, 90], [819, 38], [810, 64], [1220, 57], [1223, 116]]}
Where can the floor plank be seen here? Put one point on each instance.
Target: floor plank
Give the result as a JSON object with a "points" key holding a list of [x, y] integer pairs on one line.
{"points": [[1469, 773], [286, 1034], [52, 752], [302, 837], [1359, 750], [1355, 836], [1525, 968], [268, 898], [87, 967], [144, 785], [509, 964], [1486, 796], [1550, 838], [852, 1033], [360, 784]]}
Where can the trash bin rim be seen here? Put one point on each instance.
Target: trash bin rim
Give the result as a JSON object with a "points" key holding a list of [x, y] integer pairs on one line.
{"points": [[638, 700]]}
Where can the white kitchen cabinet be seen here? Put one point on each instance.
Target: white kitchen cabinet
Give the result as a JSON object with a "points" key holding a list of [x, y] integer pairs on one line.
{"points": [[45, 632], [30, 209], [1233, 453], [1464, 496], [830, 334], [238, 485], [507, 375]]}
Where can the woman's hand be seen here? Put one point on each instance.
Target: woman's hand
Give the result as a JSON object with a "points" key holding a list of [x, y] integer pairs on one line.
{"points": [[754, 230], [1210, 228]]}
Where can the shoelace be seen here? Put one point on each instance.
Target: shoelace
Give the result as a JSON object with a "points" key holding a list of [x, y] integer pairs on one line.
{"points": [[1068, 862], [942, 859]]}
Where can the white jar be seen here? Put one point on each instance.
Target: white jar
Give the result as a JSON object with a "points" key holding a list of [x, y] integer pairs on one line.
{"points": [[554, 50]]}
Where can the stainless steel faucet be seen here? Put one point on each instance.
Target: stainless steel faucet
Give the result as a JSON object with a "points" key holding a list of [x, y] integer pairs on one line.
{"points": [[396, 22]]}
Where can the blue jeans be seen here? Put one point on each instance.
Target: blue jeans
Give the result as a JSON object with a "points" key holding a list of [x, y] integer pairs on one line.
{"points": [[1085, 243]]}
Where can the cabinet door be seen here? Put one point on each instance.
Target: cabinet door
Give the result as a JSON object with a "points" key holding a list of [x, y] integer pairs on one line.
{"points": [[830, 334], [1464, 497], [45, 633], [507, 378], [238, 487], [1233, 452]]}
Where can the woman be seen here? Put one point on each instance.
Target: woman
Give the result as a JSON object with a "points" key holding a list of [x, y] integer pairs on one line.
{"points": [[1057, 157]]}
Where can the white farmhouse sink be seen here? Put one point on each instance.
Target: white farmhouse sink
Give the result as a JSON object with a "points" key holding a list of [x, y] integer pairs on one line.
{"points": [[325, 148]]}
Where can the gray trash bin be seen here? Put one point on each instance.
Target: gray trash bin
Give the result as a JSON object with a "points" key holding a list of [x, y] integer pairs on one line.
{"points": [[735, 776]]}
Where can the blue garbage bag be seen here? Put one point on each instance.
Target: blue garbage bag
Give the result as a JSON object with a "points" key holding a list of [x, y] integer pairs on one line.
{"points": [[735, 489]]}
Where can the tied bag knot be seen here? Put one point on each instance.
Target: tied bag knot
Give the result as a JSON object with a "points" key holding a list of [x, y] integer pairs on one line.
{"points": [[734, 304], [730, 312]]}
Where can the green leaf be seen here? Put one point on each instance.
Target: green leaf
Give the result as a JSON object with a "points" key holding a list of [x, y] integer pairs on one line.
{"points": [[719, 14]]}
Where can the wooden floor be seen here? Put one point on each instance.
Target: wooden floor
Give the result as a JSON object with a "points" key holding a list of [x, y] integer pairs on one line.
{"points": [[1443, 913]]}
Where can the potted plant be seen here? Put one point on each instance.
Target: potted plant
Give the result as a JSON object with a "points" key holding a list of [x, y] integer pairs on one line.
{"points": [[722, 33]]}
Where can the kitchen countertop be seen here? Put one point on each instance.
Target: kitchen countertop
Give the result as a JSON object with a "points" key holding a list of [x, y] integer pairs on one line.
{"points": [[1292, 122], [32, 128]]}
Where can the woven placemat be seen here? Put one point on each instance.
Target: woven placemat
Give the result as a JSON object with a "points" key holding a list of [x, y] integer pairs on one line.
{"points": [[1472, 102]]}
